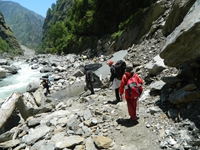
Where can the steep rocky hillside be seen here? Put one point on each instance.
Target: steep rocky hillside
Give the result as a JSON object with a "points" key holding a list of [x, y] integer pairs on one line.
{"points": [[11, 44], [26, 25], [81, 25]]}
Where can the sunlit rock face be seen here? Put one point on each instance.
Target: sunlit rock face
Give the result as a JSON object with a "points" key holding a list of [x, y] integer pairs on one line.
{"points": [[182, 45]]}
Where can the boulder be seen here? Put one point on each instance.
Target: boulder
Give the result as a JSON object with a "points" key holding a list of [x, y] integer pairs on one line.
{"points": [[179, 9], [156, 65], [32, 86], [26, 105], [46, 69], [8, 107], [12, 69], [2, 73], [182, 96], [177, 52], [3, 61]]}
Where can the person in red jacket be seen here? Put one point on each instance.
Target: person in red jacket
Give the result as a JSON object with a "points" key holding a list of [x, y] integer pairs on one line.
{"points": [[131, 102]]}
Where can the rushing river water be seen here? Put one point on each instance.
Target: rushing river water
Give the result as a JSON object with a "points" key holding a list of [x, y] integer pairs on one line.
{"points": [[19, 82]]}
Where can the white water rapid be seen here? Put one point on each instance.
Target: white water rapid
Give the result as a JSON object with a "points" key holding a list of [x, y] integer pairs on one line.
{"points": [[18, 82]]}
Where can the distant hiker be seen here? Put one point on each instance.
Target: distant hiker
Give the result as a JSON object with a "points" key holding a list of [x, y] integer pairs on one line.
{"points": [[45, 83], [131, 83], [89, 78], [115, 82]]}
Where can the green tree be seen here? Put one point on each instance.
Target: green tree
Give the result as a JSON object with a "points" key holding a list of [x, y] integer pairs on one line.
{"points": [[73, 26], [3, 45], [57, 36]]}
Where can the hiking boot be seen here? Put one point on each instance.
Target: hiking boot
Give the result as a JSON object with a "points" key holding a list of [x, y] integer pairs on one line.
{"points": [[118, 100], [133, 122]]}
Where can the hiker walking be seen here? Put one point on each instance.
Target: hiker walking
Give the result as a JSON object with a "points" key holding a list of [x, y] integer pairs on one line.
{"points": [[45, 83], [89, 78], [131, 83], [115, 82]]}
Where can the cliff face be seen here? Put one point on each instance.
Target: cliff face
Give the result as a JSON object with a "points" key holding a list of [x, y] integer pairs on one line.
{"points": [[182, 45], [8, 36]]}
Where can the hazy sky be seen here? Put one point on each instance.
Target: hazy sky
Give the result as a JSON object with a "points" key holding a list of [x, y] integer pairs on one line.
{"points": [[38, 6]]}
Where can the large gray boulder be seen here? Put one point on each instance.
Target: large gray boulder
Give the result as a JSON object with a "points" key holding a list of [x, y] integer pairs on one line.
{"points": [[32, 86], [179, 9], [182, 46], [11, 69], [26, 105], [3, 61], [2, 73], [155, 66], [184, 96], [8, 107]]}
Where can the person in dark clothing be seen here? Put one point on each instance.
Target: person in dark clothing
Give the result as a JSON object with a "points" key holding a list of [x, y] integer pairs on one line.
{"points": [[115, 82], [45, 84], [89, 79]]}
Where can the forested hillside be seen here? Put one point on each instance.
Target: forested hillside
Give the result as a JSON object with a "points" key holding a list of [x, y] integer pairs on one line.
{"points": [[8, 42], [26, 25], [74, 26]]}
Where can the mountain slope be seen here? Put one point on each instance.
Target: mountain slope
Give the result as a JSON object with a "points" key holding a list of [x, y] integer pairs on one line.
{"points": [[8, 42], [86, 22], [26, 25]]}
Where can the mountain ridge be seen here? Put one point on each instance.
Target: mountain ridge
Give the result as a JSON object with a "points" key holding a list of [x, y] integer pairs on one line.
{"points": [[26, 24]]}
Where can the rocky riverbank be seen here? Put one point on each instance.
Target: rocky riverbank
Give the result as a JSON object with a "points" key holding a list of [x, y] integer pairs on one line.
{"points": [[168, 109], [85, 121], [89, 121]]}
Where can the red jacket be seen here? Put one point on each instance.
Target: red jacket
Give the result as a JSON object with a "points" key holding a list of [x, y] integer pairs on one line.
{"points": [[124, 81]]}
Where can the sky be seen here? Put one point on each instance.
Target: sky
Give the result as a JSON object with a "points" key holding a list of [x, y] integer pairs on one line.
{"points": [[38, 6]]}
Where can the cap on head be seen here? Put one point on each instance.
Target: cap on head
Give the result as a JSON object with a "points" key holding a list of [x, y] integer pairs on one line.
{"points": [[110, 62], [129, 68]]}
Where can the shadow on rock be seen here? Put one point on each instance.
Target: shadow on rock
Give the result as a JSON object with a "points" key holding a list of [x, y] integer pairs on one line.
{"points": [[114, 102], [127, 122]]}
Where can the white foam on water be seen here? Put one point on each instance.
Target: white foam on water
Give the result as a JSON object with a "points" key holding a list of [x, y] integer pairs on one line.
{"points": [[18, 82]]}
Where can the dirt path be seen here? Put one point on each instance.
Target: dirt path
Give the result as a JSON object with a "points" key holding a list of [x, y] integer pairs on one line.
{"points": [[134, 137], [126, 135]]}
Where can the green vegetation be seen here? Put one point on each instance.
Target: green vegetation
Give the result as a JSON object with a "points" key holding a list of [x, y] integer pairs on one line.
{"points": [[3, 45], [8, 42], [74, 26]]}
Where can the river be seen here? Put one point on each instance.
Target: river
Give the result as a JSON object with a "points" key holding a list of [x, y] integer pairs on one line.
{"points": [[18, 82]]}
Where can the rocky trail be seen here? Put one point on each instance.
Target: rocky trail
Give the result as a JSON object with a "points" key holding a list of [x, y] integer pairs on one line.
{"points": [[168, 108], [93, 121], [84, 116]]}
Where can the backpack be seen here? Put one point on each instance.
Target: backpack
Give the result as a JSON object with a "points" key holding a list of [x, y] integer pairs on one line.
{"points": [[133, 88], [120, 68]]}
